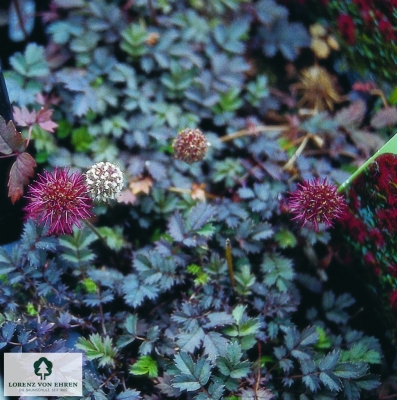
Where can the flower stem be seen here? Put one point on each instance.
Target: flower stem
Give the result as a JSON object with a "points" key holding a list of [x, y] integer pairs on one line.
{"points": [[297, 153], [254, 131], [228, 252], [95, 230]]}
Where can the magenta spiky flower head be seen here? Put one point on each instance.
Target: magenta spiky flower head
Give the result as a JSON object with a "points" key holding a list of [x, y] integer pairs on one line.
{"points": [[317, 202], [59, 199], [190, 145]]}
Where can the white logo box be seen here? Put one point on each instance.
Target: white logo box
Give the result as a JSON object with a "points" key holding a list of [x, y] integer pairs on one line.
{"points": [[43, 374]]}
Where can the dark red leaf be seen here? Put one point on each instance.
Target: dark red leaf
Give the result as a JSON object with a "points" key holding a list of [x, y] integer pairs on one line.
{"points": [[43, 118], [10, 139], [21, 171]]}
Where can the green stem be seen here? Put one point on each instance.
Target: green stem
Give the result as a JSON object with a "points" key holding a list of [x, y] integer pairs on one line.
{"points": [[389, 147], [95, 230]]}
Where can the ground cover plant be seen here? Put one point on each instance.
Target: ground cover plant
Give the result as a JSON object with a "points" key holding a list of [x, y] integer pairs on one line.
{"points": [[178, 165]]}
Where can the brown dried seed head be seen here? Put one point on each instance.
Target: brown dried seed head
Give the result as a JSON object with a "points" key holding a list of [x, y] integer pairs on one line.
{"points": [[190, 145]]}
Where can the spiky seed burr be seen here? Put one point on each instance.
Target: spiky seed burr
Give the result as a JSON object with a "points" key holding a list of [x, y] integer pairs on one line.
{"points": [[190, 145]]}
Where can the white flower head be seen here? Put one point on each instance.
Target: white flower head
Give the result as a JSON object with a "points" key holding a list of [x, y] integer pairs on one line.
{"points": [[104, 181]]}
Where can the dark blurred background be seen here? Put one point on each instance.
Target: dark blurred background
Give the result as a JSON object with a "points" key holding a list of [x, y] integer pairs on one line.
{"points": [[11, 216]]}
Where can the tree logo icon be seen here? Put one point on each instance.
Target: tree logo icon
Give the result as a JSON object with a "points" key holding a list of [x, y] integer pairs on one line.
{"points": [[43, 368]]}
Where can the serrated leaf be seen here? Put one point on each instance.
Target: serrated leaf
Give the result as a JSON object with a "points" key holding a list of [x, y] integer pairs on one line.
{"points": [[184, 363], [249, 327], [360, 352], [262, 231], [22, 169], [215, 391], [176, 227], [43, 119], [352, 115], [329, 361], [214, 345], [312, 382], [348, 370], [136, 292], [218, 319], [351, 390], [32, 63], [238, 313], [6, 265], [97, 347], [331, 381], [199, 215], [368, 383], [309, 336], [129, 394], [280, 352], [291, 338], [202, 370], [145, 365], [131, 324], [184, 382], [193, 375], [300, 355], [384, 117], [7, 330], [207, 230], [190, 341], [259, 394], [10, 139], [278, 271]]}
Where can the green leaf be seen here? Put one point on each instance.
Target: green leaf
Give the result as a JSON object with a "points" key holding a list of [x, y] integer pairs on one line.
{"points": [[324, 342], [244, 279], [113, 236], [393, 97], [89, 285], [131, 324], [231, 365], [184, 363], [145, 365], [277, 271], [348, 370], [238, 313], [228, 101], [193, 375], [100, 348], [249, 327], [32, 63], [202, 370], [81, 139], [360, 352], [134, 40], [285, 238]]}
